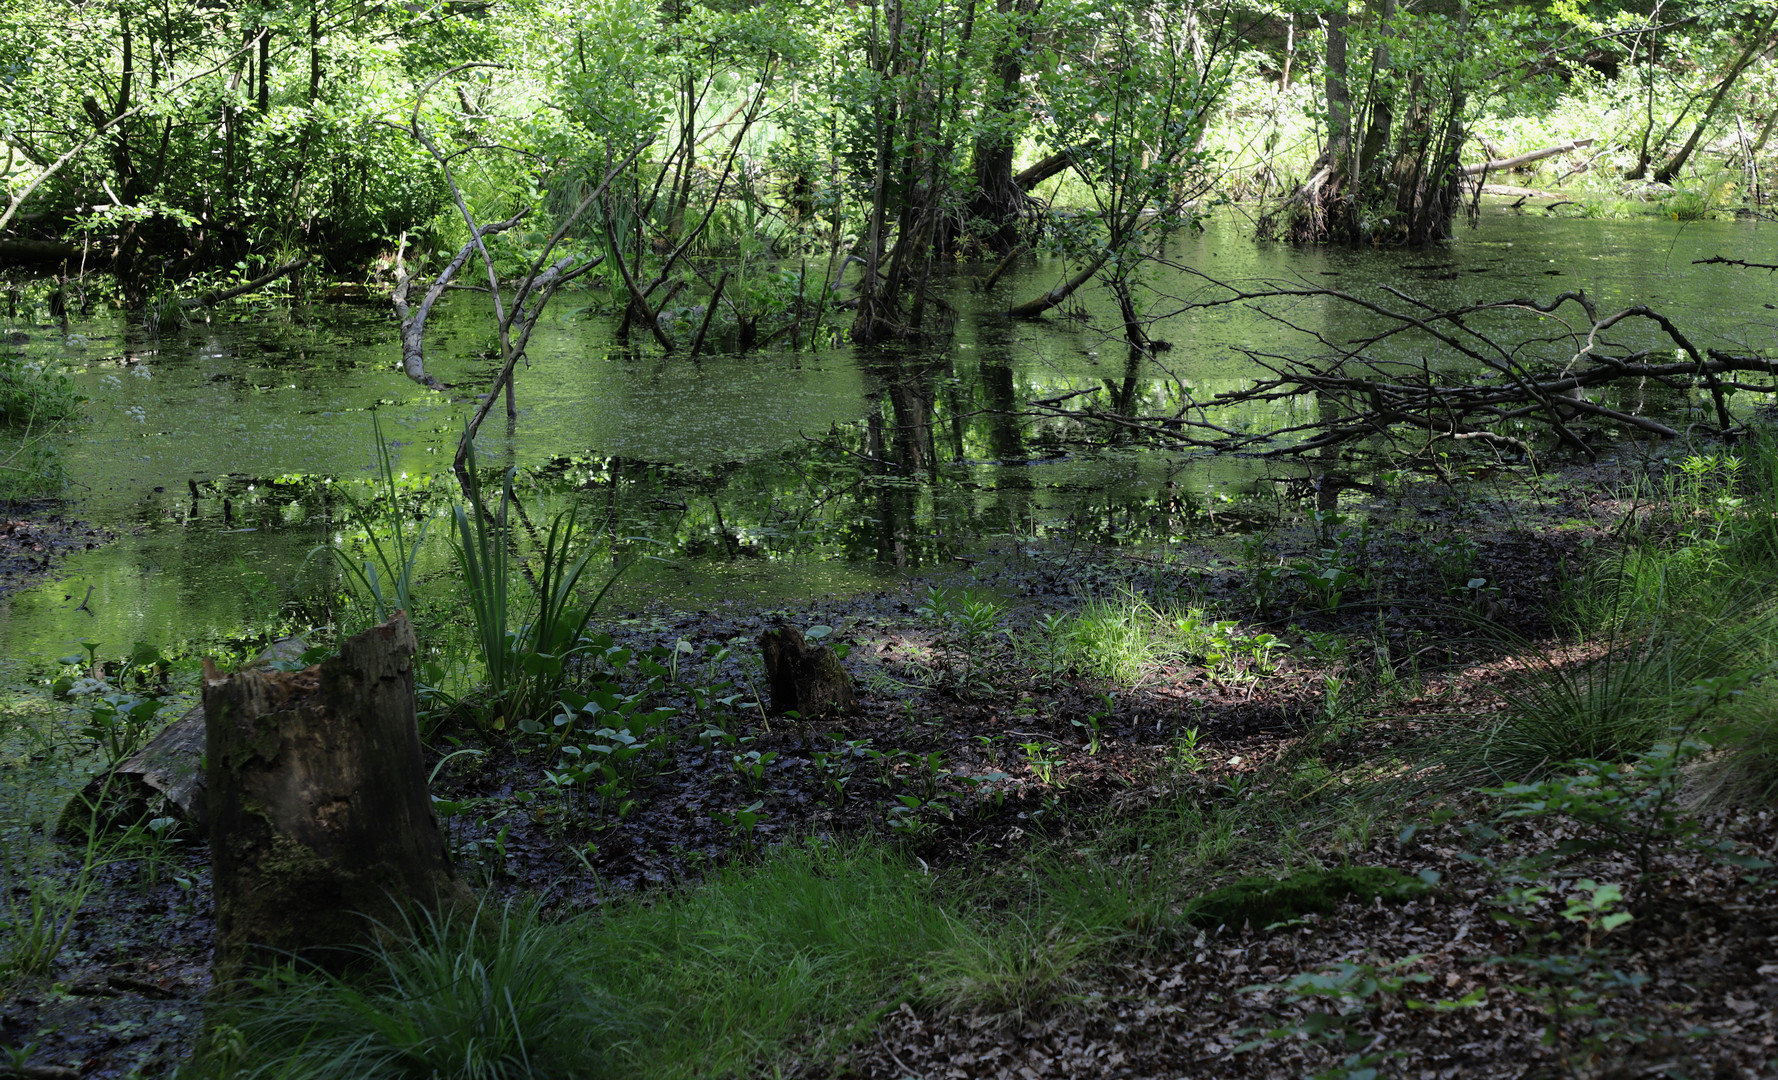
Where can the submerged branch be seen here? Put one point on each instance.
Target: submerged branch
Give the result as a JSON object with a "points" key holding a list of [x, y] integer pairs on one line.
{"points": [[1410, 408]]}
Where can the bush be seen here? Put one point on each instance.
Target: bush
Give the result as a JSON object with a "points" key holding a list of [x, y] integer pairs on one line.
{"points": [[33, 395]]}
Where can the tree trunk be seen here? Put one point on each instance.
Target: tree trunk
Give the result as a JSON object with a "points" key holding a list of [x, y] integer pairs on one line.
{"points": [[1370, 169], [319, 814], [1756, 45], [999, 208]]}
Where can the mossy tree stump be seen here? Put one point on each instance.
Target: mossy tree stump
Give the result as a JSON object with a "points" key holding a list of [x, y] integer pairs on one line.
{"points": [[807, 680], [319, 812]]}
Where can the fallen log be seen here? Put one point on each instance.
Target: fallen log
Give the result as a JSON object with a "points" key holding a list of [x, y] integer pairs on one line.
{"points": [[1525, 159], [211, 299]]}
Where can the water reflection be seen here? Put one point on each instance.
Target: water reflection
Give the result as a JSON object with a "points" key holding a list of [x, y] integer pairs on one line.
{"points": [[214, 449]]}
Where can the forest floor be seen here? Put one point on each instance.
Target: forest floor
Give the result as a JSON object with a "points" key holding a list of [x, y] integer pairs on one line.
{"points": [[979, 740]]}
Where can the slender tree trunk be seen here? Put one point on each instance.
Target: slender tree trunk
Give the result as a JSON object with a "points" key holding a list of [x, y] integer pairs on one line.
{"points": [[1757, 44], [999, 207], [1370, 168]]}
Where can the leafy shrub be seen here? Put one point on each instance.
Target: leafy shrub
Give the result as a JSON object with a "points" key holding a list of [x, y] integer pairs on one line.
{"points": [[34, 394]]}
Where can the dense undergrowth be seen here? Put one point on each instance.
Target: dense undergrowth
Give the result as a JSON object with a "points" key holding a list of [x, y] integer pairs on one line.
{"points": [[37, 402]]}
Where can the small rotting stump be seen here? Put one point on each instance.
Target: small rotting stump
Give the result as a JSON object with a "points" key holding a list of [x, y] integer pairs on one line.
{"points": [[807, 680], [321, 825]]}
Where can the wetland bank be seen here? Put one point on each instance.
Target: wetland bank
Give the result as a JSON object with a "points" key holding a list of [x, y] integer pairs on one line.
{"points": [[1098, 677], [1308, 613]]}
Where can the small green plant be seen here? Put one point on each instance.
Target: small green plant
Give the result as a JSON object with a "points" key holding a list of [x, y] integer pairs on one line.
{"points": [[1043, 760], [1570, 968], [910, 815], [119, 724], [751, 767], [1185, 753], [386, 577], [743, 823], [968, 623], [1096, 721], [1326, 582], [1352, 992]]}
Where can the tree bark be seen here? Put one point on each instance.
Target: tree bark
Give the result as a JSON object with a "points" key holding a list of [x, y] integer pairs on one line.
{"points": [[999, 206], [807, 681], [319, 813], [1756, 45]]}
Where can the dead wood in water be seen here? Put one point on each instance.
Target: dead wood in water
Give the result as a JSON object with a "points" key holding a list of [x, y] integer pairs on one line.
{"points": [[1556, 377]]}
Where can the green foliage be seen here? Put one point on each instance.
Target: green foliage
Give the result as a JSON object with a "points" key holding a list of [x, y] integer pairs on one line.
{"points": [[1127, 640], [1568, 967], [1262, 901], [35, 395], [1631, 809], [491, 994], [526, 664], [386, 577], [1352, 991]]}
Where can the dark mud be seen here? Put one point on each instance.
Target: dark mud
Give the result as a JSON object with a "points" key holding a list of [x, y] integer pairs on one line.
{"points": [[35, 537]]}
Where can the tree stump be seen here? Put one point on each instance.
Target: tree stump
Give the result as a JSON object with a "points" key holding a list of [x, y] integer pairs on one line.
{"points": [[808, 681], [318, 808]]}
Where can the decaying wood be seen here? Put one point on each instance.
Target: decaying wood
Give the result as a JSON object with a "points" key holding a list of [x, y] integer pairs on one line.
{"points": [[163, 779], [211, 299], [413, 320], [807, 680], [319, 813], [1555, 376]]}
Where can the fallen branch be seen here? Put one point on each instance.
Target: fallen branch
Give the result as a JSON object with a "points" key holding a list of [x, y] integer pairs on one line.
{"points": [[1408, 407], [1525, 159], [211, 299], [413, 322]]}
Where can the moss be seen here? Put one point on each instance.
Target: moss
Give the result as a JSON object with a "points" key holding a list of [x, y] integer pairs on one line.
{"points": [[1262, 901]]}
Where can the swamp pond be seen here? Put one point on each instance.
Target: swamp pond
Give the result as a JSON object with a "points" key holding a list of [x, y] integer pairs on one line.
{"points": [[211, 450]]}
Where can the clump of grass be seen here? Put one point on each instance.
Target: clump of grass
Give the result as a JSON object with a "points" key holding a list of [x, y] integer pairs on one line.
{"points": [[1127, 640], [499, 994], [1121, 640], [1684, 603]]}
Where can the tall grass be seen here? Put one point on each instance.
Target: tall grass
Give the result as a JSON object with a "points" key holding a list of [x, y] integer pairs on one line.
{"points": [[1688, 599], [526, 662], [497, 994], [386, 578], [800, 953]]}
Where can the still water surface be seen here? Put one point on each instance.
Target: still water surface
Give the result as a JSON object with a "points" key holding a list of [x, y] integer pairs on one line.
{"points": [[215, 450]]}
